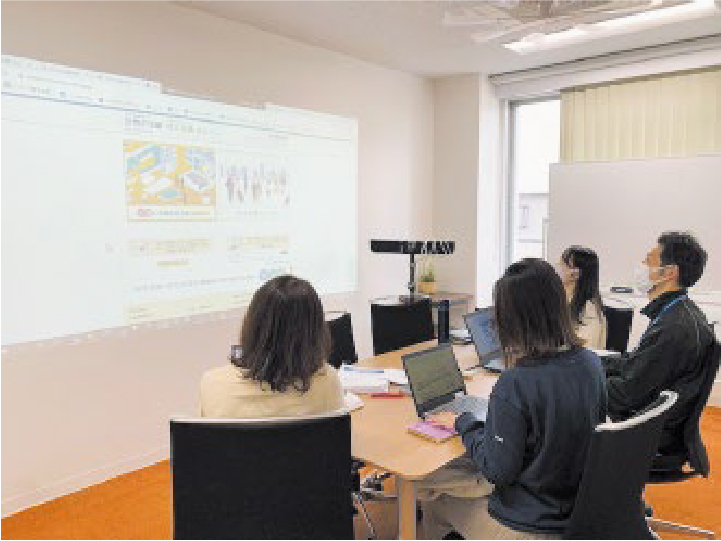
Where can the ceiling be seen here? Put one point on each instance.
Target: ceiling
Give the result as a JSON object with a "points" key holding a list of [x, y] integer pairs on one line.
{"points": [[411, 36]]}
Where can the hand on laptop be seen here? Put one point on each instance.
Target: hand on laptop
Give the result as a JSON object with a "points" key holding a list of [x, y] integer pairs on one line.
{"points": [[444, 419]]}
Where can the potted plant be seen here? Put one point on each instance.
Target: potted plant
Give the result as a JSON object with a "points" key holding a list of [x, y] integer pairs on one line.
{"points": [[427, 280]]}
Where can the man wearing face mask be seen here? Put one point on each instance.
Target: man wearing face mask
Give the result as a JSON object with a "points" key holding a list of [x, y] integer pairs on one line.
{"points": [[673, 352]]}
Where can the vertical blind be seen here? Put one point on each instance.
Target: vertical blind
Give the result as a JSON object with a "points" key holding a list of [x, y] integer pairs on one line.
{"points": [[677, 114]]}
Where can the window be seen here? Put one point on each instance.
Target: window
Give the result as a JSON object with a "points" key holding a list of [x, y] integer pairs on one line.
{"points": [[524, 213], [535, 142]]}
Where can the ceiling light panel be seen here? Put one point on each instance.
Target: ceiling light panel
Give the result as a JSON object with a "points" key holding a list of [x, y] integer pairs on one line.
{"points": [[582, 31]]}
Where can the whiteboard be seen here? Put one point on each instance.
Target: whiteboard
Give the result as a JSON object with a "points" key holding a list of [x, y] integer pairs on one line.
{"points": [[619, 208]]}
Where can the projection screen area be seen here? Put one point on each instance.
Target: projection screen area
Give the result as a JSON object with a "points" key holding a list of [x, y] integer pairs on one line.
{"points": [[126, 204]]}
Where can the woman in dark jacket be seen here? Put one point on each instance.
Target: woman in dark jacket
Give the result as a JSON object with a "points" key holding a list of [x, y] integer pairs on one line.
{"points": [[542, 412]]}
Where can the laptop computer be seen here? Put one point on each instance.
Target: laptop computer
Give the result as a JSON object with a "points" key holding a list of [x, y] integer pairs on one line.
{"points": [[482, 328], [437, 384]]}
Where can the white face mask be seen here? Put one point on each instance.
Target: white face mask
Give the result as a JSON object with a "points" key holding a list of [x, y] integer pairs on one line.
{"points": [[643, 283], [567, 274]]}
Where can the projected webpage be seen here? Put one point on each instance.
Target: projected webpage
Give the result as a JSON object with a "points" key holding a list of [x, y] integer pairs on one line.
{"points": [[125, 205]]}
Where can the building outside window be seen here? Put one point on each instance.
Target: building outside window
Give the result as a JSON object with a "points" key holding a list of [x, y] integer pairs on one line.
{"points": [[535, 141]]}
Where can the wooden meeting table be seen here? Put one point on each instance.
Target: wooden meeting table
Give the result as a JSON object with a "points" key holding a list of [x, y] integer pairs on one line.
{"points": [[380, 438]]}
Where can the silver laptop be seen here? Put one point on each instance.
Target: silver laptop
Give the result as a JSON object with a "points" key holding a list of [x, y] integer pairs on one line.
{"points": [[481, 325], [437, 383]]}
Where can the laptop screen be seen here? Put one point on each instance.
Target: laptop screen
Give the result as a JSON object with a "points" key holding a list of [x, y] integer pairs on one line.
{"points": [[482, 326], [433, 373]]}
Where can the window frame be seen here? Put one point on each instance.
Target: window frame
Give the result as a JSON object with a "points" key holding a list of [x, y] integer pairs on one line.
{"points": [[508, 189]]}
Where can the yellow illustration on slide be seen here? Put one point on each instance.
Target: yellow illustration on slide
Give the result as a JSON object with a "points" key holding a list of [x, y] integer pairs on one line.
{"points": [[169, 182]]}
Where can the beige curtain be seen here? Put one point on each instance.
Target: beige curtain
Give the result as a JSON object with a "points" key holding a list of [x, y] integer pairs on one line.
{"points": [[677, 114]]}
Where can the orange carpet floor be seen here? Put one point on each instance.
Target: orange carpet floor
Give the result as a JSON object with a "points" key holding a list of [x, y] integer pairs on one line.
{"points": [[137, 505]]}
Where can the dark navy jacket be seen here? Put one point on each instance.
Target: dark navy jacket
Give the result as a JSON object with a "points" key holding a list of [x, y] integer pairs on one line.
{"points": [[533, 446], [672, 354]]}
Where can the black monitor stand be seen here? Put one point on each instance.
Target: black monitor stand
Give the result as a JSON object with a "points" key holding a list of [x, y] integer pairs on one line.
{"points": [[412, 296]]}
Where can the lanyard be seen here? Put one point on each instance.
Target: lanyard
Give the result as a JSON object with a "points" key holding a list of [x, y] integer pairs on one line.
{"points": [[658, 317]]}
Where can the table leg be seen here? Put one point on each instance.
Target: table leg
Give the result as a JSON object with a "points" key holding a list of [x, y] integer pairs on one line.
{"points": [[406, 508]]}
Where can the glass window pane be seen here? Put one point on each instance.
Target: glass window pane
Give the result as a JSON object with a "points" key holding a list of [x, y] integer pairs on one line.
{"points": [[536, 144]]}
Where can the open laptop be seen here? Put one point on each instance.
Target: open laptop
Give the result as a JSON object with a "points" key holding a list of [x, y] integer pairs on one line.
{"points": [[437, 384], [482, 328]]}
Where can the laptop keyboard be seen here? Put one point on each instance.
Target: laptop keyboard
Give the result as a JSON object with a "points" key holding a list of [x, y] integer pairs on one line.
{"points": [[462, 404]]}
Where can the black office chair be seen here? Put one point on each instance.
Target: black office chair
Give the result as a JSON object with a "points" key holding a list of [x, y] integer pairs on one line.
{"points": [[609, 499], [262, 478], [396, 325], [341, 333], [343, 350], [671, 468], [619, 317]]}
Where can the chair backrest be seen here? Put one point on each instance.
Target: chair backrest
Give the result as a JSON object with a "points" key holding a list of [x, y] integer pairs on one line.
{"points": [[695, 449], [398, 325], [608, 503], [262, 478], [618, 325], [341, 333]]}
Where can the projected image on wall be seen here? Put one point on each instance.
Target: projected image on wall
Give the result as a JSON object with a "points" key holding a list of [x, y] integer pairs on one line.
{"points": [[165, 176], [123, 204], [260, 186]]}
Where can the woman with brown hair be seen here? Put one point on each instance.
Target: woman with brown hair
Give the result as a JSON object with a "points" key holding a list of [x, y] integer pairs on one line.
{"points": [[281, 370], [541, 414]]}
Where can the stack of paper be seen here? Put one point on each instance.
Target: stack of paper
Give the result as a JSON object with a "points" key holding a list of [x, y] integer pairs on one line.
{"points": [[363, 380], [396, 375]]}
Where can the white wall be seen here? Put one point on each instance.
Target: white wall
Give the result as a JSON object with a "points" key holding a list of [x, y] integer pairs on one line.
{"points": [[455, 191], [76, 414], [467, 204]]}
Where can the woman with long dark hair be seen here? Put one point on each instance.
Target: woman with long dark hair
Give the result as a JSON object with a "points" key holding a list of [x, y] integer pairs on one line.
{"points": [[541, 414], [281, 369], [578, 269]]}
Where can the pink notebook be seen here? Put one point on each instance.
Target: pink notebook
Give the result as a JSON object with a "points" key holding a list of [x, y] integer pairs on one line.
{"points": [[430, 431]]}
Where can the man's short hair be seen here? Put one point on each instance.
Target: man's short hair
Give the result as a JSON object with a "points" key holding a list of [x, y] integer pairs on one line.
{"points": [[681, 248]]}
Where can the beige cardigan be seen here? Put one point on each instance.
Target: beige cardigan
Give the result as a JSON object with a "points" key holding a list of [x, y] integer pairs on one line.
{"points": [[225, 392], [593, 328]]}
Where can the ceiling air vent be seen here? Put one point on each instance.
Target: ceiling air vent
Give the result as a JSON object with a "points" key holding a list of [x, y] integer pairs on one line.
{"points": [[511, 19]]}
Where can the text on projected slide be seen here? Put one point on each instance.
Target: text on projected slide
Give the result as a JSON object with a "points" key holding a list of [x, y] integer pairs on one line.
{"points": [[123, 204]]}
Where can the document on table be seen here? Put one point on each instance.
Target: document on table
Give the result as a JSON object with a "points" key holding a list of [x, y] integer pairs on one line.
{"points": [[396, 375], [363, 380]]}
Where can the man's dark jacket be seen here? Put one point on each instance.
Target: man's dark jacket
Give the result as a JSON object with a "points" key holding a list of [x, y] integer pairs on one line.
{"points": [[673, 354]]}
